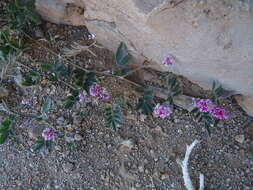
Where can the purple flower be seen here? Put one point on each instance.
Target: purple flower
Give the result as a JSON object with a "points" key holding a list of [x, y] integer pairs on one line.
{"points": [[219, 113], [91, 36], [95, 90], [48, 134], [204, 105], [98, 91], [169, 60], [84, 98], [26, 102], [104, 95], [162, 111]]}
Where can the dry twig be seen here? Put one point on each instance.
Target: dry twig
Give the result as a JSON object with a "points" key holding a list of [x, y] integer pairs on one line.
{"points": [[184, 166]]}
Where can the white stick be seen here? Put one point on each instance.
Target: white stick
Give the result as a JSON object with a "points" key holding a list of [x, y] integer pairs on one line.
{"points": [[201, 182], [184, 166]]}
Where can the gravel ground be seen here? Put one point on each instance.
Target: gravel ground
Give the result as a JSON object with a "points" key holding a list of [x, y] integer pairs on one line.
{"points": [[140, 155]]}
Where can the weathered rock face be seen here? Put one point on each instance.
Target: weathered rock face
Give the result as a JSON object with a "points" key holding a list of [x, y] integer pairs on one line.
{"points": [[209, 39], [246, 102]]}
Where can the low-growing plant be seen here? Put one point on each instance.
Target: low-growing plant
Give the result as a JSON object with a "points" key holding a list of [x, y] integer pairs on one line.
{"points": [[72, 99], [122, 59], [84, 82], [217, 92], [145, 102], [113, 116], [175, 89], [206, 118], [47, 138], [30, 78], [57, 70], [210, 113], [7, 128], [7, 45], [85, 87], [22, 16]]}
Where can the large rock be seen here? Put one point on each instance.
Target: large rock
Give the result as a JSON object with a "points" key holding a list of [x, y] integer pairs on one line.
{"points": [[209, 39], [246, 102]]}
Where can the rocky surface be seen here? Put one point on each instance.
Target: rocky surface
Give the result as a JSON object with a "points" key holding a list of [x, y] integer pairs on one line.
{"points": [[140, 155], [209, 39]]}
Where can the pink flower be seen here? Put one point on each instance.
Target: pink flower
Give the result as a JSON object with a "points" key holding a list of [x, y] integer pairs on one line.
{"points": [[169, 60], [162, 111], [26, 102], [204, 105], [48, 134], [219, 113], [84, 98], [95, 90], [98, 91]]}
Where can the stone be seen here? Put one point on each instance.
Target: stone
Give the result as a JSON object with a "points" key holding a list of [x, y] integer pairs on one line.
{"points": [[78, 137], [248, 131], [68, 167], [141, 169], [240, 138], [246, 102], [3, 92], [211, 40], [60, 121]]}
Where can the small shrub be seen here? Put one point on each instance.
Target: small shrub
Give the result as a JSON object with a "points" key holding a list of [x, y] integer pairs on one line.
{"points": [[22, 16], [7, 128], [145, 102]]}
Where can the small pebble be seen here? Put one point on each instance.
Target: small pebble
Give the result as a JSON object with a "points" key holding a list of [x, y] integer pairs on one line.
{"points": [[240, 138]]}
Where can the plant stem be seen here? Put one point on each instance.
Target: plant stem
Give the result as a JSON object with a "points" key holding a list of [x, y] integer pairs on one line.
{"points": [[79, 67]]}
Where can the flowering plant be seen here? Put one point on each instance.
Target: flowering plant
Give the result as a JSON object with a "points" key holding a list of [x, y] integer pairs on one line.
{"points": [[162, 111], [209, 112]]}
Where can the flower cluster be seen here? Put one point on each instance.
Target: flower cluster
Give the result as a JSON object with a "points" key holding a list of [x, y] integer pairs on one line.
{"points": [[207, 106], [169, 60], [219, 113], [99, 92], [84, 98], [162, 111], [91, 36], [26, 102], [204, 105], [49, 134]]}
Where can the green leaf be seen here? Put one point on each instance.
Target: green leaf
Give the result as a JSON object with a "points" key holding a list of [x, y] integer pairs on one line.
{"points": [[72, 99], [69, 104], [207, 126], [47, 67], [122, 56], [7, 46], [145, 106], [89, 81], [217, 92], [49, 144], [34, 73], [39, 144], [22, 15], [53, 77], [175, 89], [6, 129], [47, 105], [113, 116], [145, 103], [3, 136], [79, 77], [6, 123]]}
